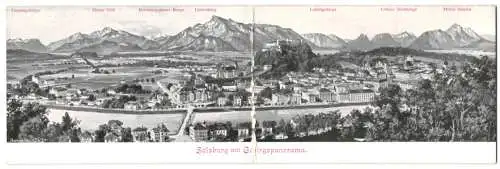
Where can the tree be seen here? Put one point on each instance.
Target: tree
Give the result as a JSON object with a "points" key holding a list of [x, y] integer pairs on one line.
{"points": [[453, 106], [281, 126], [51, 97], [19, 113], [266, 93], [101, 132], [127, 135], [91, 97], [67, 122], [32, 130], [53, 132]]}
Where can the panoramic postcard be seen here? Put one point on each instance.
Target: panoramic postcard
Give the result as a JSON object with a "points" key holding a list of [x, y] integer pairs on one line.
{"points": [[241, 74]]}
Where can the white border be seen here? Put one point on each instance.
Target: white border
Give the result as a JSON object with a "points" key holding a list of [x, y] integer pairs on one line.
{"points": [[182, 153], [346, 153]]}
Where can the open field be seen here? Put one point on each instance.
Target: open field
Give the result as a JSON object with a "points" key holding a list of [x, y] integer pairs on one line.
{"points": [[83, 78]]}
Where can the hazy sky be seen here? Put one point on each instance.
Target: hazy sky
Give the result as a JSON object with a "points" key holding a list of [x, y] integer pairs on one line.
{"points": [[53, 23], [350, 21]]}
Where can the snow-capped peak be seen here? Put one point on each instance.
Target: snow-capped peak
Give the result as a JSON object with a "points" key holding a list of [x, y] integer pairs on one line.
{"points": [[105, 31], [462, 36], [77, 36], [404, 34]]}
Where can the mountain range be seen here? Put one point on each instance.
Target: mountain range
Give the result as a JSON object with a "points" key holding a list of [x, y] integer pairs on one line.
{"points": [[221, 34], [33, 45]]}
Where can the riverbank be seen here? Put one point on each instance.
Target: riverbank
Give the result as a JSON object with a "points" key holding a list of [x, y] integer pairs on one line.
{"points": [[202, 110]]}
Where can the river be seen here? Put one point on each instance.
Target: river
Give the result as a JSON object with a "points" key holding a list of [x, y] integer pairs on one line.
{"points": [[286, 114], [91, 120]]}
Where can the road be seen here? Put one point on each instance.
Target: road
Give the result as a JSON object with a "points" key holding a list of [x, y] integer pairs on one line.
{"points": [[186, 120]]}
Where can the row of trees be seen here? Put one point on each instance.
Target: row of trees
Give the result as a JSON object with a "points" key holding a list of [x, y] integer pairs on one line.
{"points": [[147, 80], [132, 89], [118, 102]]}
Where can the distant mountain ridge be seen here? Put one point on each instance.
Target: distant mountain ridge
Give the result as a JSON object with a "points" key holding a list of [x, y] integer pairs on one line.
{"points": [[455, 37], [108, 37], [225, 34], [32, 45], [325, 41], [219, 34]]}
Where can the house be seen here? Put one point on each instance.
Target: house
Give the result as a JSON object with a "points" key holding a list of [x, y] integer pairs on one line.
{"points": [[244, 130], [86, 137], [229, 86], [280, 99], [219, 130], [111, 137], [198, 132], [159, 133], [35, 79], [326, 95], [267, 67], [311, 131], [111, 92], [362, 95], [280, 136], [313, 98], [343, 97], [296, 98], [13, 84], [226, 72], [58, 91], [221, 101], [99, 102], [267, 127], [140, 134], [237, 100], [75, 102], [131, 105]]}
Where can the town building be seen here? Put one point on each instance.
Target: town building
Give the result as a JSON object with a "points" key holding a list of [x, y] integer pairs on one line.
{"points": [[360, 96], [267, 127], [198, 132], [312, 98], [159, 133], [280, 99], [229, 86], [131, 105], [267, 67], [296, 99], [111, 137], [237, 100], [221, 101], [86, 137], [140, 134], [326, 95], [225, 72], [219, 130]]}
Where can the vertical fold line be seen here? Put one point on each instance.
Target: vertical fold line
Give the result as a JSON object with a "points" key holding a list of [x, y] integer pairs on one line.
{"points": [[253, 99]]}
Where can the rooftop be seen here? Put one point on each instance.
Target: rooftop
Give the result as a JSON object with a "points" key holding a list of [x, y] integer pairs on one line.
{"points": [[361, 91]]}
